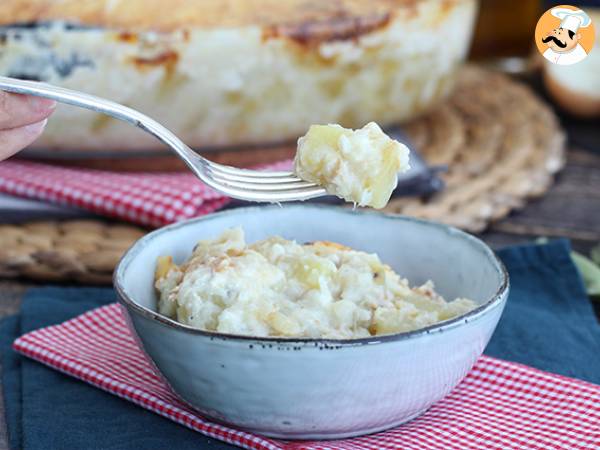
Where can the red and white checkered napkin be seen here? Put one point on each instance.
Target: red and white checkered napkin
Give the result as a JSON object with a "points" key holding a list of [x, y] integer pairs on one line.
{"points": [[145, 198], [499, 405]]}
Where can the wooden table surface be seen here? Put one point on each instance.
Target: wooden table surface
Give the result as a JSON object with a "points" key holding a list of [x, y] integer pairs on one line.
{"points": [[570, 209]]}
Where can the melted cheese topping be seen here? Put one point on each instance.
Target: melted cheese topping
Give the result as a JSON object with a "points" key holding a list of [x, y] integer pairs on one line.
{"points": [[277, 287], [360, 166]]}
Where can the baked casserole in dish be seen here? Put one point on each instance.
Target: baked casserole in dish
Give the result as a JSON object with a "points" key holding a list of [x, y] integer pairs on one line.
{"points": [[230, 72]]}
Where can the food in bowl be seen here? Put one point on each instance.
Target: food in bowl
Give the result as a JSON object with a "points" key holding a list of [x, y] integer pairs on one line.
{"points": [[370, 384], [360, 166], [277, 287]]}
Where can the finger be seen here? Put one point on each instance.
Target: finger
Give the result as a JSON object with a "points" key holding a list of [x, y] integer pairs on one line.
{"points": [[18, 110], [15, 139]]}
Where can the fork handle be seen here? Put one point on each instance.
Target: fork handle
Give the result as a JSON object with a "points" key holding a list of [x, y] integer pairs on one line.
{"points": [[103, 106]]}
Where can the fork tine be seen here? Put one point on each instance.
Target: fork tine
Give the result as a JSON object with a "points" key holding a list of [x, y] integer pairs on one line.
{"points": [[247, 179], [260, 186], [256, 190], [249, 172], [238, 184], [270, 196], [250, 175]]}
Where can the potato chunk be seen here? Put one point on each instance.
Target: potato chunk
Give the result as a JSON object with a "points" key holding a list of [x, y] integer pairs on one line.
{"points": [[360, 166]]}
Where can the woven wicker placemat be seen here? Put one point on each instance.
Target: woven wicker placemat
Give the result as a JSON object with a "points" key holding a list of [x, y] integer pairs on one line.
{"points": [[500, 143], [84, 251]]}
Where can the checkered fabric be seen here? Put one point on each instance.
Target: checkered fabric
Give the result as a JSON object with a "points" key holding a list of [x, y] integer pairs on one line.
{"points": [[499, 405], [145, 198]]}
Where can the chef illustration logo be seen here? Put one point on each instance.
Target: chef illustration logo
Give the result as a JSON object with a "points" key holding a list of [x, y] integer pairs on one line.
{"points": [[564, 35]]}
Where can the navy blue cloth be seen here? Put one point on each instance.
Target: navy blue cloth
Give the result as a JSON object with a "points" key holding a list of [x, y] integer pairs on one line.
{"points": [[49, 410], [548, 323]]}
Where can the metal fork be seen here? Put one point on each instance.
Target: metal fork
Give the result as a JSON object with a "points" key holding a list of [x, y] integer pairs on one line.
{"points": [[243, 184]]}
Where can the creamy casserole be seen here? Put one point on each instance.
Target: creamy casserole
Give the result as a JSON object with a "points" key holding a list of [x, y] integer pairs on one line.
{"points": [[226, 72], [360, 166], [277, 287]]}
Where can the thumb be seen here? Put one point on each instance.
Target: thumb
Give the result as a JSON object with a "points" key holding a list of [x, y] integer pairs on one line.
{"points": [[15, 139]]}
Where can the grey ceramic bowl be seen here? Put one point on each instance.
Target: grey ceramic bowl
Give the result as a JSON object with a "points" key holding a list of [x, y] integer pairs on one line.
{"points": [[310, 388]]}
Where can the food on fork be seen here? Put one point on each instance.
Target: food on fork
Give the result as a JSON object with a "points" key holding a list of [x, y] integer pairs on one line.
{"points": [[360, 166], [277, 287]]}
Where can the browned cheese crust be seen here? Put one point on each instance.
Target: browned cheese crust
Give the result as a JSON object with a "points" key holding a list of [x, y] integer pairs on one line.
{"points": [[306, 21]]}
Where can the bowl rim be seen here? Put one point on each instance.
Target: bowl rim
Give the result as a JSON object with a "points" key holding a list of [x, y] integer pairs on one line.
{"points": [[125, 299]]}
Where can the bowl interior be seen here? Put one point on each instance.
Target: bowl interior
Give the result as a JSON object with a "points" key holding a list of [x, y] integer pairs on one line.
{"points": [[459, 264]]}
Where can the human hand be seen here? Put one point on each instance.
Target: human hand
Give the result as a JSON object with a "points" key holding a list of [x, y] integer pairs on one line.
{"points": [[22, 120]]}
